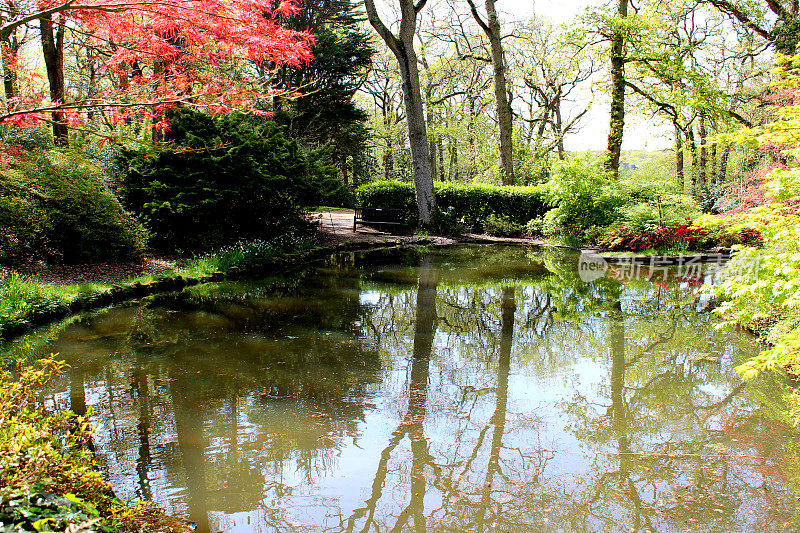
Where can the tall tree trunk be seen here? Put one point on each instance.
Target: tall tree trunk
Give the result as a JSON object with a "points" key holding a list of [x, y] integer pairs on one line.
{"points": [[402, 46], [388, 156], [53, 52], [434, 156], [453, 145], [388, 160], [723, 164], [491, 27], [703, 164], [345, 174], [693, 152], [10, 47], [679, 159], [440, 152], [712, 172], [473, 161], [560, 132], [617, 123]]}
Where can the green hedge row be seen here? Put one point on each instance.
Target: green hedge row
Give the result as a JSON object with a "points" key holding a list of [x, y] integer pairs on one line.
{"points": [[470, 203]]}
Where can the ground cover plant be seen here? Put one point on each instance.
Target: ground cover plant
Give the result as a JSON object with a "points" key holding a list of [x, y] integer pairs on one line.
{"points": [[48, 476]]}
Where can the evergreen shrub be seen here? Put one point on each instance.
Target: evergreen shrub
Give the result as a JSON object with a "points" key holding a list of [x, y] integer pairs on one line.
{"points": [[222, 180], [57, 206]]}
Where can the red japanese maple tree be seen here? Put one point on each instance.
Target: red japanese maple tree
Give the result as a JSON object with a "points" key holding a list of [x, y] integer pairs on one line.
{"points": [[158, 54]]}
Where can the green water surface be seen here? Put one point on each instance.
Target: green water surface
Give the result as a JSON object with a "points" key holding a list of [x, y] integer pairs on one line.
{"points": [[465, 388]]}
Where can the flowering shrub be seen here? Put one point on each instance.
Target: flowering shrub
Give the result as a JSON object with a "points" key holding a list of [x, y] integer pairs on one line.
{"points": [[10, 154], [728, 231], [677, 236]]}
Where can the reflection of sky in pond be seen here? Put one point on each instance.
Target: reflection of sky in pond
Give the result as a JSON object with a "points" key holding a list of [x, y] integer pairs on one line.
{"points": [[469, 389]]}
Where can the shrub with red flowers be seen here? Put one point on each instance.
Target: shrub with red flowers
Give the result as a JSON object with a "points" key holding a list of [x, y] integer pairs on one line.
{"points": [[678, 236], [749, 237], [10, 154]]}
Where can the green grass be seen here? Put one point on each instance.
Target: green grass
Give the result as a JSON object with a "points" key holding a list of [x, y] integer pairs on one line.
{"points": [[246, 255], [327, 208], [21, 296]]}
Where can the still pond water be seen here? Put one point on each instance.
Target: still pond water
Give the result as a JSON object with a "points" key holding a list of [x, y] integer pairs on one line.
{"points": [[459, 389]]}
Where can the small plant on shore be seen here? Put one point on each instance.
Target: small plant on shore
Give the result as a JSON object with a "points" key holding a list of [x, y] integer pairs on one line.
{"points": [[500, 226], [728, 230], [248, 254], [48, 478]]}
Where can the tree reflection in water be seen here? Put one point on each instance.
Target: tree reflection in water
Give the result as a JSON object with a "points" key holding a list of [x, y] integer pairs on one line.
{"points": [[468, 389]]}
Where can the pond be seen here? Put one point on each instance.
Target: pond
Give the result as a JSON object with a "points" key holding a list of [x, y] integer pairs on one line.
{"points": [[465, 388]]}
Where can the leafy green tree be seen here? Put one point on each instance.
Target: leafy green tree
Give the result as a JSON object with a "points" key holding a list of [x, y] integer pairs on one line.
{"points": [[326, 114], [219, 180]]}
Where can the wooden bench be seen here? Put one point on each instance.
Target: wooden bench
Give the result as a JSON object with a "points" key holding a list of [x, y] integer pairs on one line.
{"points": [[376, 216]]}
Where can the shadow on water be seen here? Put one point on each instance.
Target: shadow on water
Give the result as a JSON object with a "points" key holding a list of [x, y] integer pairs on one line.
{"points": [[461, 389]]}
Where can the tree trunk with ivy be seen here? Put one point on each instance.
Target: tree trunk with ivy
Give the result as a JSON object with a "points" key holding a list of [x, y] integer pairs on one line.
{"points": [[617, 123]]}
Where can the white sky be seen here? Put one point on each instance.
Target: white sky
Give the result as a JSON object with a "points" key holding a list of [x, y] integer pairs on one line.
{"points": [[641, 132]]}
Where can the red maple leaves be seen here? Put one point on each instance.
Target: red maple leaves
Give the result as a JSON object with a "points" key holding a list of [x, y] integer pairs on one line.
{"points": [[154, 55]]}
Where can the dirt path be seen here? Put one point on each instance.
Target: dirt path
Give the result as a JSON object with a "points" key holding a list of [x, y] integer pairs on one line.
{"points": [[337, 227]]}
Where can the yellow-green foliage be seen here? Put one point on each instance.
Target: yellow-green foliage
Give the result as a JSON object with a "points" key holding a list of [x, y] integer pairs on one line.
{"points": [[762, 287], [58, 206], [726, 231], [36, 446]]}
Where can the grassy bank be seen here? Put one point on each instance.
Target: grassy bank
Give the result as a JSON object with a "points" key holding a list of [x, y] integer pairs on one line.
{"points": [[26, 301]]}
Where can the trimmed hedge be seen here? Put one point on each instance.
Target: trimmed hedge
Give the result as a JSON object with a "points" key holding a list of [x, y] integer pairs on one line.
{"points": [[471, 203]]}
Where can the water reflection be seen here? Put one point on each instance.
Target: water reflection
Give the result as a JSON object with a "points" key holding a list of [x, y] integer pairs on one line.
{"points": [[466, 389]]}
